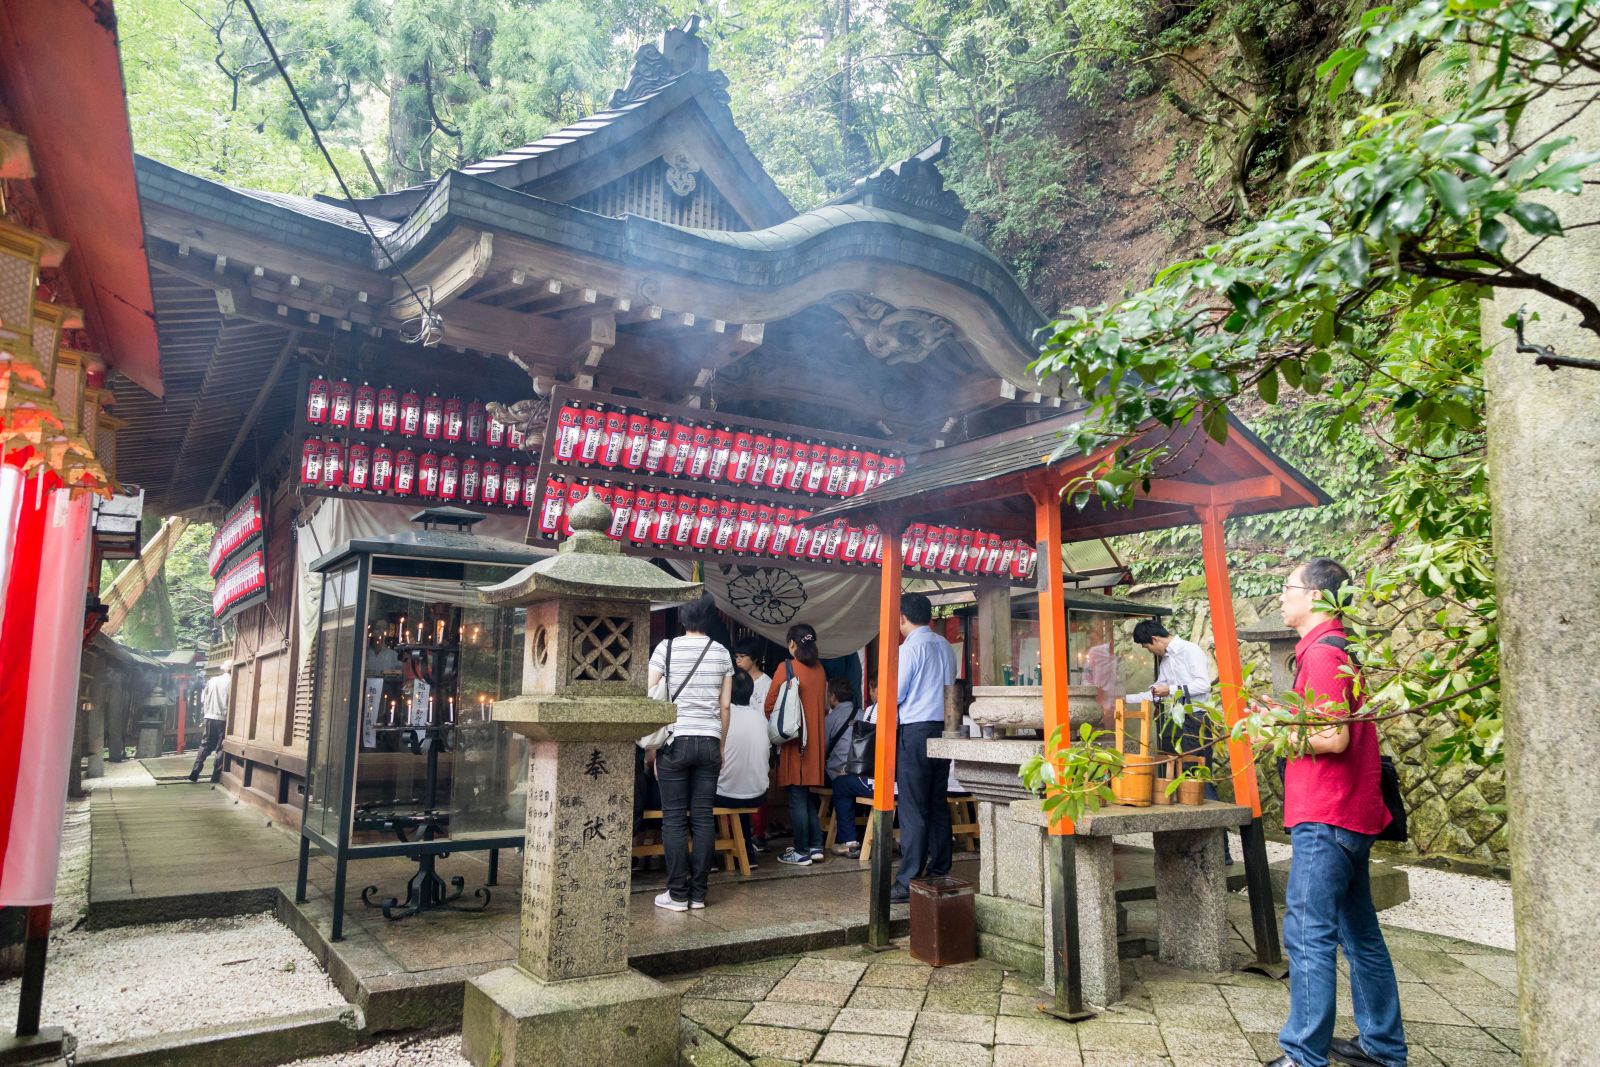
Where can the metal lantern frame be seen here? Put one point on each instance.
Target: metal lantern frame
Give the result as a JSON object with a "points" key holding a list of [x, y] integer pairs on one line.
{"points": [[354, 562]]}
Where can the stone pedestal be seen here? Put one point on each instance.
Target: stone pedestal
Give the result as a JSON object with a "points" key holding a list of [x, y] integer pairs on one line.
{"points": [[571, 1000], [1192, 891]]}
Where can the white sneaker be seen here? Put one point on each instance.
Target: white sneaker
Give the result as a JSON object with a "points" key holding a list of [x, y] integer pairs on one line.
{"points": [[697, 905], [664, 900], [795, 859]]}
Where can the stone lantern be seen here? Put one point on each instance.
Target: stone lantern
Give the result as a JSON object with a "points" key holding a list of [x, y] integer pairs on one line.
{"points": [[1280, 641], [571, 998]]}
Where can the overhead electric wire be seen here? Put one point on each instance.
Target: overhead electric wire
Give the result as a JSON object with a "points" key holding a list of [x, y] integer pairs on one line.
{"points": [[429, 319]]}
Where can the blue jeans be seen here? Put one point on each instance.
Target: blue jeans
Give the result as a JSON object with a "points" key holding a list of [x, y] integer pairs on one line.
{"points": [[846, 788], [803, 818], [1329, 905], [687, 769], [924, 808]]}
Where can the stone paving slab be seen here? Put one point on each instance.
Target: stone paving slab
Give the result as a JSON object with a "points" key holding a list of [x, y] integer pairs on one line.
{"points": [[1169, 1018]]}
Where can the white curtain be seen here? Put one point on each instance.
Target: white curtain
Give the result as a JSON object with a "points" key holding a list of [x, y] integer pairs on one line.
{"points": [[768, 597]]}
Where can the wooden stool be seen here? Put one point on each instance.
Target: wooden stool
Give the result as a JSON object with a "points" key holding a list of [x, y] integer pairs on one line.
{"points": [[729, 839]]}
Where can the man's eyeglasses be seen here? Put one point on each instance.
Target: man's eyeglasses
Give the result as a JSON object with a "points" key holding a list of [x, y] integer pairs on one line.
{"points": [[1307, 588]]}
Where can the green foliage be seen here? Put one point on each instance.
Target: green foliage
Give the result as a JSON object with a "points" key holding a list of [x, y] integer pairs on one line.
{"points": [[1359, 297]]}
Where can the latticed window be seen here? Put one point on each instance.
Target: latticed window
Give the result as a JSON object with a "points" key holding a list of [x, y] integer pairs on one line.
{"points": [[602, 648]]}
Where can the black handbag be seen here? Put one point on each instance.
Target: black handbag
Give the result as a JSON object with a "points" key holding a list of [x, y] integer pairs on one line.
{"points": [[863, 748], [1389, 781]]}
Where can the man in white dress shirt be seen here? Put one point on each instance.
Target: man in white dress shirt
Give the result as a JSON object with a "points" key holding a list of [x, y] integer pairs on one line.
{"points": [[1183, 676]]}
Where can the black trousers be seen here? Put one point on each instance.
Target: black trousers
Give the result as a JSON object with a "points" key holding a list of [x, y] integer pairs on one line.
{"points": [[688, 770], [744, 820], [210, 741], [924, 783]]}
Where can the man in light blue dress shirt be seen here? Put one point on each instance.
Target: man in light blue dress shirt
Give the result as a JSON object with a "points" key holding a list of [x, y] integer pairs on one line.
{"points": [[927, 665]]}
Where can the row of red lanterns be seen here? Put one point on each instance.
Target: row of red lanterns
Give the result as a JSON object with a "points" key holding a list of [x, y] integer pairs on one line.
{"points": [[720, 525], [362, 468], [612, 438], [340, 405]]}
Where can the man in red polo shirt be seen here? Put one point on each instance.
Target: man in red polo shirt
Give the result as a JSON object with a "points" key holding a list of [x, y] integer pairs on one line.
{"points": [[1333, 809]]}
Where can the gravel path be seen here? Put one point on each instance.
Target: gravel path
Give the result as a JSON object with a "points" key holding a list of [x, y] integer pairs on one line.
{"points": [[438, 1050], [108, 985]]}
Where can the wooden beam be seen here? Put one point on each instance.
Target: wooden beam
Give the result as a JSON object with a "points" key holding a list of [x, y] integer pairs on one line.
{"points": [[1045, 491], [458, 264], [1230, 672], [888, 681], [1265, 487], [594, 342]]}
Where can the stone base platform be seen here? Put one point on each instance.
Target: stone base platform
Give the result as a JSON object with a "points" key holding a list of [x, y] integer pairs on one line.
{"points": [[511, 1019]]}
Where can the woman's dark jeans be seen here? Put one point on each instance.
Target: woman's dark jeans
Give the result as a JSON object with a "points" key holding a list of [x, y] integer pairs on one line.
{"points": [[687, 770], [803, 818]]}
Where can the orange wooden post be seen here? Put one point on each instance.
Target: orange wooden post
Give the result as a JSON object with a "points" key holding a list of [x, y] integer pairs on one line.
{"points": [[1241, 757], [882, 863], [1046, 493]]}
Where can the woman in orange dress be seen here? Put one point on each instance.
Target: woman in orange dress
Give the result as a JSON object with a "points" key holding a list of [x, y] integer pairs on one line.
{"points": [[800, 764]]}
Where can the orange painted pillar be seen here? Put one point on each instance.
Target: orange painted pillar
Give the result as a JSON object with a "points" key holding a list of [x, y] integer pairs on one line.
{"points": [[1225, 634], [881, 879], [1052, 624]]}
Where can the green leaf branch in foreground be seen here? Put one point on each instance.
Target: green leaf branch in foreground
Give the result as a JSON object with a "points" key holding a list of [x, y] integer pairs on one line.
{"points": [[1357, 302]]}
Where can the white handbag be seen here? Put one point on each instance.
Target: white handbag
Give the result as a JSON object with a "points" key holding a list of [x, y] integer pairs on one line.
{"points": [[788, 720]]}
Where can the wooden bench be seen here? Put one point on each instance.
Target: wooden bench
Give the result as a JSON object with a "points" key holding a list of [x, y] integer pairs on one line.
{"points": [[730, 842], [963, 821]]}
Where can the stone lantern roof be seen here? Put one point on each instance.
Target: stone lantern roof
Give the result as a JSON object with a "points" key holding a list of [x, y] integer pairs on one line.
{"points": [[590, 565]]}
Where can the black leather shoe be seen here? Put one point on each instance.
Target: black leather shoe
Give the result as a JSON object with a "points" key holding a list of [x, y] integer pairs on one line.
{"points": [[896, 897], [1351, 1053], [1283, 1061]]}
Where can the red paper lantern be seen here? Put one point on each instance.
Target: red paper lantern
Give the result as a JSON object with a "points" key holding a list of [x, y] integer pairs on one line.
{"points": [[530, 486], [410, 413], [705, 523], [717, 469], [510, 485], [855, 472], [471, 478], [800, 472], [688, 509], [854, 539], [405, 472], [341, 404], [892, 466], [569, 431], [817, 473], [621, 512], [727, 525], [800, 540], [311, 462], [428, 474], [912, 544], [744, 458], [745, 536], [359, 475], [838, 473], [763, 466], [477, 421], [616, 438], [680, 448], [450, 477], [494, 433], [643, 520], [782, 460], [872, 549], [666, 518], [871, 470], [782, 531], [655, 457], [700, 458], [388, 409], [516, 437], [491, 481], [317, 401], [950, 549], [594, 431], [366, 411], [382, 468], [455, 419], [766, 519], [332, 465], [638, 442], [432, 417], [555, 506]]}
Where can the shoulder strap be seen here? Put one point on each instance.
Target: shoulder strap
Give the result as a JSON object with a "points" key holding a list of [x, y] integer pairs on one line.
{"points": [[703, 650], [1338, 641], [834, 740]]}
